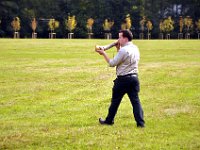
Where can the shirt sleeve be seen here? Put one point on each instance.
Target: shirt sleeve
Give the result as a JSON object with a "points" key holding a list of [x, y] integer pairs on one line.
{"points": [[117, 59]]}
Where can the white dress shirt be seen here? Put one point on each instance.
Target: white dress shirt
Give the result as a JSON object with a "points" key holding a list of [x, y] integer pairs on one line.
{"points": [[126, 60]]}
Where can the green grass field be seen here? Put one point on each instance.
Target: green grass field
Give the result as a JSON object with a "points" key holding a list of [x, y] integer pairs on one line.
{"points": [[52, 93]]}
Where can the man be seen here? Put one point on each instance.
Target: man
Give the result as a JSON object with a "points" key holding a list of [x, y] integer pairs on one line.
{"points": [[126, 62]]}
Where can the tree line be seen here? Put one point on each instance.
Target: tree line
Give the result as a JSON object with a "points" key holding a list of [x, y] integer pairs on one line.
{"points": [[142, 17]]}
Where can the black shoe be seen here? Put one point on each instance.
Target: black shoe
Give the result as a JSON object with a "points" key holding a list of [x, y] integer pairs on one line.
{"points": [[103, 122], [140, 126]]}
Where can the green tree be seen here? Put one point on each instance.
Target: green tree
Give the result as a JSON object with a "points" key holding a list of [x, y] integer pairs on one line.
{"points": [[8, 7], [99, 10]]}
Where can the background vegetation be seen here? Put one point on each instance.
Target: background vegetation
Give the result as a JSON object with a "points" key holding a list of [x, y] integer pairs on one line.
{"points": [[99, 10], [52, 93]]}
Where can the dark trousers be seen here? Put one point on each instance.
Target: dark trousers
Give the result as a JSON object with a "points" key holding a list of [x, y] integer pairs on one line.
{"points": [[122, 85]]}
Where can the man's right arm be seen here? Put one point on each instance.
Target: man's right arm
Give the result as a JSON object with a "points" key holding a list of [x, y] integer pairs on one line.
{"points": [[109, 46]]}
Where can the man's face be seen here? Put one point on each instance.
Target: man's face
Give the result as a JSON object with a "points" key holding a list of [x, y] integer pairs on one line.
{"points": [[122, 40]]}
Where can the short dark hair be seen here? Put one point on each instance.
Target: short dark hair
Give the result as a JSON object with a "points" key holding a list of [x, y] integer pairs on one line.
{"points": [[127, 33]]}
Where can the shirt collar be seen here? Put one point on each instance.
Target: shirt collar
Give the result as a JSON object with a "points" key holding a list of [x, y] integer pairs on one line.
{"points": [[128, 43]]}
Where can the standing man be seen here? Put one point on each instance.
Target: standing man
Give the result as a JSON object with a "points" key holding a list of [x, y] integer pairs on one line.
{"points": [[126, 62]]}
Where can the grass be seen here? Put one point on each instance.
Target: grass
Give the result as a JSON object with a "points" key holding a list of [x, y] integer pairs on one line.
{"points": [[52, 93]]}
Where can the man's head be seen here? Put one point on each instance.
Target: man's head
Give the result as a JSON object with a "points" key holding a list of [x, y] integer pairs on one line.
{"points": [[125, 36]]}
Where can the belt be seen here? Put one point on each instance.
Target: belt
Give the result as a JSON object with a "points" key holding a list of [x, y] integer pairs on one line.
{"points": [[128, 75]]}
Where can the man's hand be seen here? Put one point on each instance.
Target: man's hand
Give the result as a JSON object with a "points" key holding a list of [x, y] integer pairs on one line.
{"points": [[101, 51], [118, 46], [97, 47]]}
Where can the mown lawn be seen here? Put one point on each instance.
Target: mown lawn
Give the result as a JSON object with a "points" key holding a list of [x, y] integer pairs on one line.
{"points": [[52, 93]]}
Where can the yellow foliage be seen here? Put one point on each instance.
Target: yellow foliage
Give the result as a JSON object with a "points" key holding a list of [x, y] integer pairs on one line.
{"points": [[188, 22], [168, 25], [123, 26], [161, 26], [53, 24], [149, 25], [34, 24], [89, 25], [127, 24], [16, 24], [198, 25], [181, 24], [107, 25], [71, 23], [142, 23]]}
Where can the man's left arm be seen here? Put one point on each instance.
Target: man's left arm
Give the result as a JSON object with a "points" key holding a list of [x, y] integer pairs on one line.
{"points": [[102, 52], [112, 62]]}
